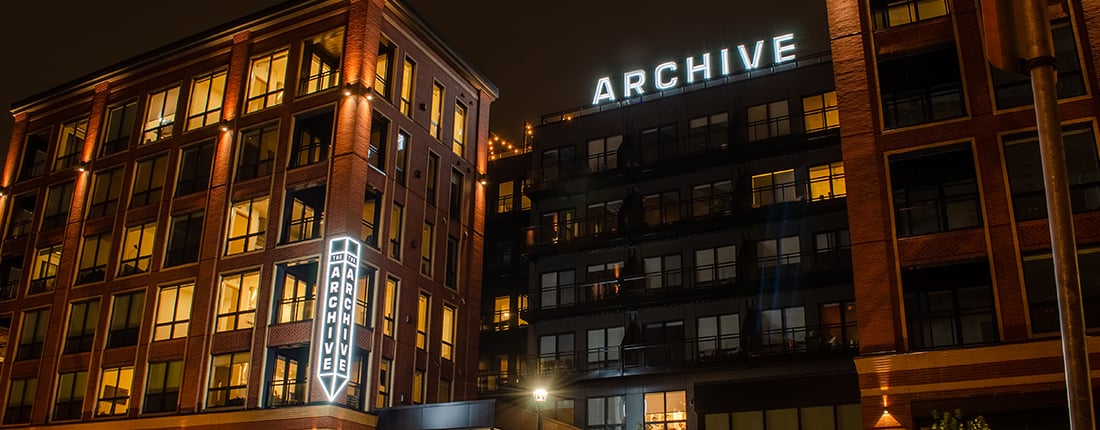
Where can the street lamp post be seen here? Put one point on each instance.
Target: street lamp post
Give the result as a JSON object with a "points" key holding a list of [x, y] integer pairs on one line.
{"points": [[540, 395]]}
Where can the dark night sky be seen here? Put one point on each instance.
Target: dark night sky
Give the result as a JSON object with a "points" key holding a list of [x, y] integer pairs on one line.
{"points": [[544, 56]]}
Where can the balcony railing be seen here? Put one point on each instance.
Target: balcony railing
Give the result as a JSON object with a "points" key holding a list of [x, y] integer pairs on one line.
{"points": [[283, 393], [9, 290], [502, 321]]}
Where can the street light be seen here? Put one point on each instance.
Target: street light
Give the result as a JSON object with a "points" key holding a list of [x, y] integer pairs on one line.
{"points": [[540, 395]]}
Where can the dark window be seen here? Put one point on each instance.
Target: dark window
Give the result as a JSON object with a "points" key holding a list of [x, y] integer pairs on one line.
{"points": [[289, 374], [70, 144], [400, 167], [194, 174], [838, 324], [935, 190], [22, 215], [451, 276], [32, 334], [1013, 89], [921, 88], [58, 200], [126, 319], [312, 138], [427, 249], [379, 136], [557, 226], [296, 291], [302, 220], [892, 13], [556, 353], [20, 401], [708, 132], [603, 153], [106, 189], [119, 128], [383, 71], [1025, 171], [949, 306], [714, 199], [557, 161], [321, 56], [257, 153], [149, 181], [603, 218], [769, 120], [664, 342], [94, 256], [664, 271], [372, 210], [367, 276], [1041, 298], [659, 143], [184, 239], [396, 227], [457, 185], [69, 402], [431, 182], [11, 273], [557, 289], [34, 155], [83, 318], [162, 389]]}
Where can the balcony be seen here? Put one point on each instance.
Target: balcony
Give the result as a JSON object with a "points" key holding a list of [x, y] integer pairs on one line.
{"points": [[502, 320]]}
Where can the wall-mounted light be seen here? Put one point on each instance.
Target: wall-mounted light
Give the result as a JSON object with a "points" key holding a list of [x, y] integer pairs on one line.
{"points": [[3, 191], [225, 125], [356, 88], [483, 179], [81, 167]]}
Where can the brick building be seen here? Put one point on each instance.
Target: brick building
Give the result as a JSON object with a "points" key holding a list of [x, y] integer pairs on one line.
{"points": [[167, 223]]}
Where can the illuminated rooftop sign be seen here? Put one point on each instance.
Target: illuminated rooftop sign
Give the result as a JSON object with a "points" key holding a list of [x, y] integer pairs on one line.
{"points": [[337, 315], [696, 69]]}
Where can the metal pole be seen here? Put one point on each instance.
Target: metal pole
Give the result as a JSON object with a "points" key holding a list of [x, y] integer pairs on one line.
{"points": [[1034, 28]]}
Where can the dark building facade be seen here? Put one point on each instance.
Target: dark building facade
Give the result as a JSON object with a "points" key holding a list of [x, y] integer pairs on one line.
{"points": [[172, 226]]}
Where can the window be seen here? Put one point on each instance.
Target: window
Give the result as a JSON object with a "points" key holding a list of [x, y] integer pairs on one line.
{"points": [[1025, 172], [357, 383], [44, 276], [558, 226], [819, 112], [921, 88], [450, 279], [402, 164], [458, 145], [558, 289], [114, 391], [287, 384], [555, 352], [661, 208], [660, 143], [237, 301], [379, 136], [137, 249], [431, 180], [162, 389], [149, 181], [1042, 300], [427, 242], [712, 199], [603, 347], [1012, 90], [194, 172], [257, 154], [126, 319], [11, 273], [457, 186], [556, 161], [396, 220], [372, 211], [385, 383], [665, 343], [408, 82], [106, 188], [604, 217], [715, 265], [173, 319], [718, 334], [389, 311], [119, 127], [297, 289], [784, 328], [321, 56], [423, 310], [69, 401], [502, 313], [383, 70], [435, 125], [22, 215], [418, 389], [247, 225], [302, 220], [603, 154], [832, 241], [769, 120], [83, 319], [892, 13], [312, 138], [228, 380], [160, 115], [266, 78], [70, 144], [505, 196], [602, 281], [444, 390], [34, 155], [663, 271], [838, 417], [524, 201], [710, 132], [666, 410], [93, 259], [773, 188], [935, 190], [838, 325], [949, 306], [32, 334], [58, 201], [184, 239], [778, 252], [447, 338], [207, 94], [605, 413], [20, 401], [827, 181], [367, 284]]}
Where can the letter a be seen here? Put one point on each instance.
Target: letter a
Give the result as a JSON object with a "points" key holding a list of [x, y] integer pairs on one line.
{"points": [[603, 91]]}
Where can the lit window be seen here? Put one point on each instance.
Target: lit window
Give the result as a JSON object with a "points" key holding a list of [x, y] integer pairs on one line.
{"points": [[458, 145], [296, 289], [162, 389], [603, 347], [383, 70], [93, 259], [603, 218], [83, 318], [447, 340], [524, 201], [778, 252], [367, 284], [827, 181], [44, 277], [160, 115], [418, 387], [502, 313], [247, 226], [605, 413], [892, 13], [838, 324], [408, 83], [184, 239], [773, 188], [661, 208], [287, 385], [21, 394], [237, 301], [603, 154], [666, 410], [194, 171], [114, 391], [385, 383], [32, 334], [149, 181], [207, 94], [266, 78], [126, 319], [396, 221], [769, 120], [302, 219], [321, 56], [718, 335], [602, 281], [435, 126], [556, 353], [505, 197], [70, 144], [119, 128], [558, 226], [372, 211], [228, 380], [423, 310], [389, 311], [427, 248], [106, 188], [557, 289], [137, 249], [58, 200], [69, 401], [173, 317], [256, 157], [445, 392], [819, 112]]}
